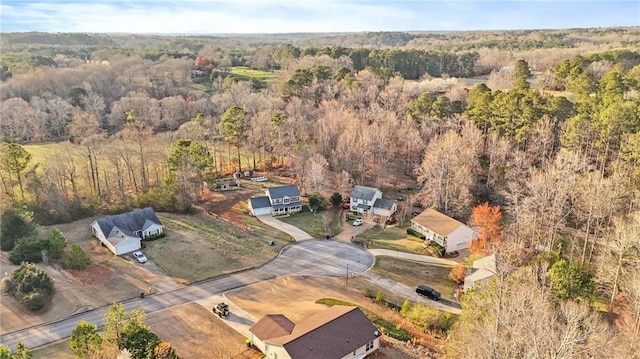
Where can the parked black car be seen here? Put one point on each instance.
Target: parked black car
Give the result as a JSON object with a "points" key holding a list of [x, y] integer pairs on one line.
{"points": [[428, 292]]}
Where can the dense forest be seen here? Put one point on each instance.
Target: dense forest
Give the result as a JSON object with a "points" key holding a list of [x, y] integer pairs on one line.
{"points": [[544, 125]]}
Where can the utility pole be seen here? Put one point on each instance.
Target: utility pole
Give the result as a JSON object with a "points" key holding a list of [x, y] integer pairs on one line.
{"points": [[346, 279]]}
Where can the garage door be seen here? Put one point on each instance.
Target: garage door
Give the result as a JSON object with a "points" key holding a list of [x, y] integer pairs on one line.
{"points": [[127, 245], [261, 211], [462, 245]]}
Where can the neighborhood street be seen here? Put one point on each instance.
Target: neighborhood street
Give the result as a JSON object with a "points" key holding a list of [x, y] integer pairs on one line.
{"points": [[306, 257]]}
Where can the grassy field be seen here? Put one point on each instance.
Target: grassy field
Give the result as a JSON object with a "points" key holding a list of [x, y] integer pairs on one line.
{"points": [[414, 273], [394, 238], [59, 350], [200, 246], [315, 223], [247, 74]]}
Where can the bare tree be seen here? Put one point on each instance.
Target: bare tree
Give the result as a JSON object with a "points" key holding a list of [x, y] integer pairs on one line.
{"points": [[316, 172]]}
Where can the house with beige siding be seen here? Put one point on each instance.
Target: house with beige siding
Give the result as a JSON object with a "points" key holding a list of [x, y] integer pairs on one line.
{"points": [[450, 233]]}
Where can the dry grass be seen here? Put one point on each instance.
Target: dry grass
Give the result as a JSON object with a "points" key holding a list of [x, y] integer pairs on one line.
{"points": [[414, 273], [195, 333], [393, 238]]}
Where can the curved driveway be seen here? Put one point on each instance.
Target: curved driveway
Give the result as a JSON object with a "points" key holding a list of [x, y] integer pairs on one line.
{"points": [[314, 257]]}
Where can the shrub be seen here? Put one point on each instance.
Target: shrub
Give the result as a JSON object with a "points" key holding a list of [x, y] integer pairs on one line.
{"points": [[352, 215], [458, 273], [367, 293], [28, 249], [429, 318], [394, 331], [13, 226], [415, 233], [153, 238], [77, 258], [438, 248], [56, 242], [317, 202], [379, 297], [336, 199], [31, 286]]}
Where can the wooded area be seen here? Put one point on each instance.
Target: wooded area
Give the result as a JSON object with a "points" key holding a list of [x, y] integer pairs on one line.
{"points": [[544, 125]]}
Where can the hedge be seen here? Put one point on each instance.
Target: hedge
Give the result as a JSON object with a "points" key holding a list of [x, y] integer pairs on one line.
{"points": [[415, 233]]}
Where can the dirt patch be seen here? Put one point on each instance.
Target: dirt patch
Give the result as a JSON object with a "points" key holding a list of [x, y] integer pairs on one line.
{"points": [[194, 332], [276, 297]]}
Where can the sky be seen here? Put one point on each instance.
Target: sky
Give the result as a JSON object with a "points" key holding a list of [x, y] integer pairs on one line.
{"points": [[288, 16]]}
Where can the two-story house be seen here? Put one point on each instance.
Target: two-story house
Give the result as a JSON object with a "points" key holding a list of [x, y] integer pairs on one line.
{"points": [[368, 200], [277, 201], [451, 234]]}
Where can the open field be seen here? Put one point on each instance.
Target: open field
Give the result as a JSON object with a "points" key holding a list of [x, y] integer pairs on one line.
{"points": [[201, 246], [394, 238], [194, 332], [414, 273], [245, 73], [317, 224]]}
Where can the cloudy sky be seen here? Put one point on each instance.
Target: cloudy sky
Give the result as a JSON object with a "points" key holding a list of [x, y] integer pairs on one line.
{"points": [[283, 16]]}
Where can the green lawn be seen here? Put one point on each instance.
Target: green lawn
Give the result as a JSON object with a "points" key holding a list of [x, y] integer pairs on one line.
{"points": [[245, 73], [59, 350], [394, 238], [414, 273], [198, 247], [317, 223]]}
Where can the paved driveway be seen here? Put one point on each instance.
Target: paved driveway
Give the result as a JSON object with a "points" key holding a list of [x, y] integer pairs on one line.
{"points": [[295, 232]]}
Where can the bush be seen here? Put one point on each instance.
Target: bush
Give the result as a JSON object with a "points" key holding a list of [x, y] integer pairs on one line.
{"points": [[415, 233], [77, 258], [429, 318], [336, 199], [458, 273], [153, 238], [317, 202], [352, 215], [28, 249], [394, 331], [438, 248], [56, 242], [379, 297], [30, 286], [13, 226]]}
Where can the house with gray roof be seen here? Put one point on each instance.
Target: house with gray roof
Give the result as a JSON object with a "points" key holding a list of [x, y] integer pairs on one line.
{"points": [[277, 201], [368, 200], [335, 333], [124, 232]]}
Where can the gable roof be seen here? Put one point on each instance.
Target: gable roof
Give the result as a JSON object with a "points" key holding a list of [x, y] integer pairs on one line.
{"points": [[129, 222], [259, 202], [283, 191], [482, 268], [362, 192], [383, 203], [437, 222], [272, 326], [332, 333]]}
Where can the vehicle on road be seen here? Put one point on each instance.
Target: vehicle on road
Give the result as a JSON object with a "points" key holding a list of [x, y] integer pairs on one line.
{"points": [[428, 292], [222, 309], [140, 257], [357, 222]]}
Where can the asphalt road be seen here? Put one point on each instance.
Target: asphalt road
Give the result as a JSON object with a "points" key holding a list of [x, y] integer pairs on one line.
{"points": [[311, 257]]}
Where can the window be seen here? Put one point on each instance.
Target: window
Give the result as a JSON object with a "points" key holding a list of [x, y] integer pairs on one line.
{"points": [[369, 345], [286, 200]]}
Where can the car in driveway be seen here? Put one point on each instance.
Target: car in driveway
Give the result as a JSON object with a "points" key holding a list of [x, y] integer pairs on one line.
{"points": [[140, 257], [428, 292], [357, 222]]}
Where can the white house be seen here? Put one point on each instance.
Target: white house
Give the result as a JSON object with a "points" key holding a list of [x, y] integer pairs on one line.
{"points": [[368, 200], [277, 201], [339, 332], [481, 272], [451, 234], [122, 233]]}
